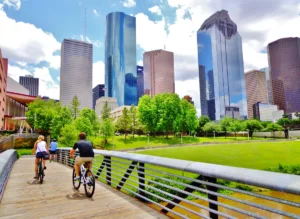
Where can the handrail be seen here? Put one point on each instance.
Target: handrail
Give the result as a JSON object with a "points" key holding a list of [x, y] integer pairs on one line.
{"points": [[134, 165], [7, 160]]}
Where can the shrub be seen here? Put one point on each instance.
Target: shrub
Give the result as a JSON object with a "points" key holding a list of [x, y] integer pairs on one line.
{"points": [[291, 169]]}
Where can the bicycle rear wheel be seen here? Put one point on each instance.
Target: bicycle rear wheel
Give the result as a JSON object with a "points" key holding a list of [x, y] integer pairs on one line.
{"points": [[89, 186], [41, 172], [76, 184]]}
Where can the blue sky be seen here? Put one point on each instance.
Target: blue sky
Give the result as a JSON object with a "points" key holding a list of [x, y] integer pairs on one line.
{"points": [[32, 31]]}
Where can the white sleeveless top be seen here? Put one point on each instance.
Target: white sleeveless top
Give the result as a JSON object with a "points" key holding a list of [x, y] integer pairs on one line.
{"points": [[41, 147]]}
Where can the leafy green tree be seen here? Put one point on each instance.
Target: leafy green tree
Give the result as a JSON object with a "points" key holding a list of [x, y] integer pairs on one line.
{"points": [[236, 126], [284, 122], [211, 127], [62, 117], [133, 119], [297, 114], [286, 116], [107, 129], [202, 121], [188, 118], [105, 112], [225, 124], [40, 114], [147, 113], [273, 127], [124, 121], [252, 126], [92, 117], [69, 135], [75, 106], [83, 124]]}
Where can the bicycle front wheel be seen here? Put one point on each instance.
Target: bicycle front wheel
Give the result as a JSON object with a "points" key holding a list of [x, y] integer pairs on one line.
{"points": [[76, 184], [89, 186], [41, 173]]}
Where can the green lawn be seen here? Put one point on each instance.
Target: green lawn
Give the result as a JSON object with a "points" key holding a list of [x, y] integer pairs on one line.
{"points": [[120, 142], [255, 155]]}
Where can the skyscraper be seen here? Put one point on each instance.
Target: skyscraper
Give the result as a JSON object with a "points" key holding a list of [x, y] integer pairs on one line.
{"points": [[98, 91], [256, 89], [220, 59], [140, 81], [158, 72], [3, 86], [76, 72], [284, 64], [31, 83], [120, 58], [268, 81]]}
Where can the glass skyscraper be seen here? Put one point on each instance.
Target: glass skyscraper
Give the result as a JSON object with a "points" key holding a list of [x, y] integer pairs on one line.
{"points": [[120, 58], [220, 60], [140, 81]]}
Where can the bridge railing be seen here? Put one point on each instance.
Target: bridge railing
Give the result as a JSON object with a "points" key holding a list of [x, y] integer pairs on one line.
{"points": [[7, 160], [187, 189]]}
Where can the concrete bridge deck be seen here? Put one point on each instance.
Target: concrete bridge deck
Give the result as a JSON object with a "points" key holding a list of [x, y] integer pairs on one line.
{"points": [[55, 198]]}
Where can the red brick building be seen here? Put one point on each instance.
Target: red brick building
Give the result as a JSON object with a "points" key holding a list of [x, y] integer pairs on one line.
{"points": [[3, 85]]}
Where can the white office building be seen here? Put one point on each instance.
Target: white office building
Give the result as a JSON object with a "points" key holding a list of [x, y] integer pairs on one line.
{"points": [[76, 73], [111, 103]]}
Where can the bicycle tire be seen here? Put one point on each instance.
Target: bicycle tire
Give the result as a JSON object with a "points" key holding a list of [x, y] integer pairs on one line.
{"points": [[73, 177], [41, 173], [90, 184]]}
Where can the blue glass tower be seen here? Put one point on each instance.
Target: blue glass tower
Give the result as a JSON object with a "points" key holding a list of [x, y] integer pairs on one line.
{"points": [[120, 58], [140, 81], [220, 60]]}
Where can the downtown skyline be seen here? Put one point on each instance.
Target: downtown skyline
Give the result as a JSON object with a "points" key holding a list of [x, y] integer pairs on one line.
{"points": [[180, 26]]}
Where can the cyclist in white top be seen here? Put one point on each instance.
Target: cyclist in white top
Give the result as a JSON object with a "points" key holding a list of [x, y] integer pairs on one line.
{"points": [[40, 146]]}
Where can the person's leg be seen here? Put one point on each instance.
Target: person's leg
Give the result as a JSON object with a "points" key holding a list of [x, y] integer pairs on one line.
{"points": [[44, 163], [36, 167], [78, 162]]}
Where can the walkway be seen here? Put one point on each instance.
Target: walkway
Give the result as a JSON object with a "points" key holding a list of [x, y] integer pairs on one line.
{"points": [[55, 198]]}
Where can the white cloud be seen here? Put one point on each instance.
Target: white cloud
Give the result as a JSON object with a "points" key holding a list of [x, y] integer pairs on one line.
{"points": [[54, 62], [95, 12], [95, 43], [25, 43], [140, 63], [98, 73], [47, 86], [58, 78], [155, 10], [12, 3], [129, 3]]}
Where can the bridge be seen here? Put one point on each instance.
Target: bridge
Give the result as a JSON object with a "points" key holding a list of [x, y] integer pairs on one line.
{"points": [[141, 186]]}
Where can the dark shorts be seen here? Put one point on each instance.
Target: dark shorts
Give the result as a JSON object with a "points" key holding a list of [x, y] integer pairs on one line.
{"points": [[40, 154], [52, 152]]}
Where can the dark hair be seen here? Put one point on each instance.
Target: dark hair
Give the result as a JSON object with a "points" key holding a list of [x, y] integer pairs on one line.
{"points": [[82, 136], [54, 140]]}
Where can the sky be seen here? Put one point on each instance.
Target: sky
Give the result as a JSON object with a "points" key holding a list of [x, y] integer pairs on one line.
{"points": [[31, 32]]}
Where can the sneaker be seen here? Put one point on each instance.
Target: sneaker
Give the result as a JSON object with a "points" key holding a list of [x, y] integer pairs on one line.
{"points": [[35, 177]]}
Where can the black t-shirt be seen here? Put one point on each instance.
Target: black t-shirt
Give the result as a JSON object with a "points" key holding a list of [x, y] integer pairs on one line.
{"points": [[85, 148]]}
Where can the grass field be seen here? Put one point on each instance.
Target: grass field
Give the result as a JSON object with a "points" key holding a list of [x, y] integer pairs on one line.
{"points": [[119, 142], [255, 155]]}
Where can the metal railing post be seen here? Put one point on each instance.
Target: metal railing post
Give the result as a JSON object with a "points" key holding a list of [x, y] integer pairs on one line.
{"points": [[108, 170], [212, 197], [141, 175]]}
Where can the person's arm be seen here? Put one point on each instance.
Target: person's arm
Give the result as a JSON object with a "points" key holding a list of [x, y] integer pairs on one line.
{"points": [[73, 150], [34, 147]]}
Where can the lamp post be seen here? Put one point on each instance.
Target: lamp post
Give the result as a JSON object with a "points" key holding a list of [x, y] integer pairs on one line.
{"points": [[214, 135]]}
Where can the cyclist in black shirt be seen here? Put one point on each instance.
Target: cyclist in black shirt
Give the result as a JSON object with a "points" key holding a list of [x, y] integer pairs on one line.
{"points": [[86, 153]]}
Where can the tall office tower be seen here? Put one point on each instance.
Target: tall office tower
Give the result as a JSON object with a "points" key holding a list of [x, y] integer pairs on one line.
{"points": [[3, 86], [159, 72], [76, 73], [268, 81], [284, 64], [31, 83], [140, 81], [98, 91], [120, 58], [256, 89], [220, 59]]}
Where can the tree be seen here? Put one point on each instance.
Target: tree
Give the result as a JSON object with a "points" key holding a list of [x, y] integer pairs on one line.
{"points": [[75, 106], [297, 114], [106, 129], [284, 121], [105, 113], [202, 121], [252, 126], [225, 123], [133, 119], [62, 117], [211, 127], [188, 117], [92, 117], [286, 116], [273, 127], [124, 121], [236, 126], [83, 124], [69, 135], [147, 113]]}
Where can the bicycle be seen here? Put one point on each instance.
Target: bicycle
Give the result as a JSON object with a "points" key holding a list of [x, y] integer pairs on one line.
{"points": [[87, 178], [41, 173]]}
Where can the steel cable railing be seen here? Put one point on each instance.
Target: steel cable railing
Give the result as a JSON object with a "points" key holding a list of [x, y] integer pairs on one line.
{"points": [[161, 184]]}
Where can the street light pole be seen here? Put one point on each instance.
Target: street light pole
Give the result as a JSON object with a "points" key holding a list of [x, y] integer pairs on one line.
{"points": [[214, 135], [181, 137]]}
